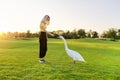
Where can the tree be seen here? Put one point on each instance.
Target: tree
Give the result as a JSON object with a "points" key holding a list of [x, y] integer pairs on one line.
{"points": [[81, 33], [88, 35], [118, 34], [94, 34], [119, 31], [59, 32], [74, 34], [9, 35], [35, 34], [112, 33], [104, 34], [28, 34], [16, 34], [67, 35]]}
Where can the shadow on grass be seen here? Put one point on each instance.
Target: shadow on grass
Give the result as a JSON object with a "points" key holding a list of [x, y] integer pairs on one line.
{"points": [[64, 71]]}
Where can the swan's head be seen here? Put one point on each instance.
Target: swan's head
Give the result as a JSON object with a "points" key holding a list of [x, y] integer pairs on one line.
{"points": [[61, 37]]}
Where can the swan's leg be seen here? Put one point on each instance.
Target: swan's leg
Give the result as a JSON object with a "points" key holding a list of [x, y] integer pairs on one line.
{"points": [[74, 62]]}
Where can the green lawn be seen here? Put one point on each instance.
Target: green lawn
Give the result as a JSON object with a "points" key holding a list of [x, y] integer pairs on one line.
{"points": [[19, 60]]}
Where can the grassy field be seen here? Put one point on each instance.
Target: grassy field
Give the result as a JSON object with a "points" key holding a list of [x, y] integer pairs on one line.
{"points": [[19, 60]]}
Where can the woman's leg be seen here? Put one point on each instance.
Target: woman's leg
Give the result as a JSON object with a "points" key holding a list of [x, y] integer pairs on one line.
{"points": [[43, 45]]}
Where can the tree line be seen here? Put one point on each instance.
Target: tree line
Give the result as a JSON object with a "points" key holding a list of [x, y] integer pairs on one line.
{"points": [[18, 35], [111, 34]]}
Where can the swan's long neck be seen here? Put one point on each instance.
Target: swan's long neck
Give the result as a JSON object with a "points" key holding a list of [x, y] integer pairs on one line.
{"points": [[66, 47]]}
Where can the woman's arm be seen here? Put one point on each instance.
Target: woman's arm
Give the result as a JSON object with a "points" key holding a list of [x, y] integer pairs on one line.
{"points": [[50, 34]]}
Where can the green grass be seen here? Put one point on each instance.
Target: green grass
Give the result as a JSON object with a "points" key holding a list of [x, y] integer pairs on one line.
{"points": [[19, 60]]}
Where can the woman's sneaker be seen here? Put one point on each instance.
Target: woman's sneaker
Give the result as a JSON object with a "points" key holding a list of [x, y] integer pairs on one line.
{"points": [[42, 61]]}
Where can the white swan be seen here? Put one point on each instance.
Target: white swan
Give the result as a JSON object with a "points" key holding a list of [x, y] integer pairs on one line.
{"points": [[73, 54]]}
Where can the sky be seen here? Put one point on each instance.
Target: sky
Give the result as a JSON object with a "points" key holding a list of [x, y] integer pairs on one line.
{"points": [[23, 15]]}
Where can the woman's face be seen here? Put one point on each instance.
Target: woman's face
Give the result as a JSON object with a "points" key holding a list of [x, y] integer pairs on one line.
{"points": [[47, 18]]}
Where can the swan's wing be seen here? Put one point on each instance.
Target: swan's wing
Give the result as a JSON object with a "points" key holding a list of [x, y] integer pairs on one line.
{"points": [[75, 55]]}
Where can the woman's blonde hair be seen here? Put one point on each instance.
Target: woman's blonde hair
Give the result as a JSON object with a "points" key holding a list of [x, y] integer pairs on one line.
{"points": [[46, 19]]}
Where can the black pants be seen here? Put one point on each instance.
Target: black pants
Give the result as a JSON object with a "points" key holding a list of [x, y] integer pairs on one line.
{"points": [[42, 44]]}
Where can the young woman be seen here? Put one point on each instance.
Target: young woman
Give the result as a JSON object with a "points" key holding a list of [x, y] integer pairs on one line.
{"points": [[43, 37]]}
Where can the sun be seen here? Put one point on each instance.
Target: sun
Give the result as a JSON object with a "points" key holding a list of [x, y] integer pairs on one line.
{"points": [[0, 34]]}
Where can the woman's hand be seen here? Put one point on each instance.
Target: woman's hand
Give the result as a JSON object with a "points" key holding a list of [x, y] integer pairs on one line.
{"points": [[56, 35], [52, 35]]}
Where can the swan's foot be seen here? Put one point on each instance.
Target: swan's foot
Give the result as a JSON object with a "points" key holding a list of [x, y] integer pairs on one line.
{"points": [[74, 62]]}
